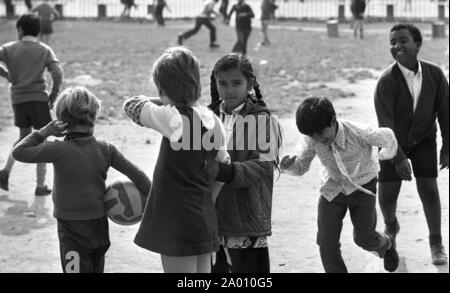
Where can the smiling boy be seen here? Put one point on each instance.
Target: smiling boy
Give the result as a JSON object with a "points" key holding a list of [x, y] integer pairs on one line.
{"points": [[409, 96]]}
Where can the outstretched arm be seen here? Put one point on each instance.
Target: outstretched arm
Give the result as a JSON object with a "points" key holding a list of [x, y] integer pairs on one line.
{"points": [[153, 114]]}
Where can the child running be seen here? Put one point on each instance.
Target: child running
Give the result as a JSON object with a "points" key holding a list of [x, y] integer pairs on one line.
{"points": [[81, 163], [349, 179], [244, 205], [26, 61], [179, 221]]}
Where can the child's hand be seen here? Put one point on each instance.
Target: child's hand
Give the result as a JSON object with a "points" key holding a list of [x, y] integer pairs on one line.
{"points": [[55, 128], [287, 162]]}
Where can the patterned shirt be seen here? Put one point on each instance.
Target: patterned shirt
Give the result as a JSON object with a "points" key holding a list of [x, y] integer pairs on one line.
{"points": [[354, 144]]}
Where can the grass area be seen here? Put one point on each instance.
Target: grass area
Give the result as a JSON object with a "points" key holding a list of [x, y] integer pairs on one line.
{"points": [[114, 59]]}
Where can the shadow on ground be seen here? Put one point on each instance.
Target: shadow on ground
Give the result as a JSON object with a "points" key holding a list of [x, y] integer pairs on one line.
{"points": [[16, 219]]}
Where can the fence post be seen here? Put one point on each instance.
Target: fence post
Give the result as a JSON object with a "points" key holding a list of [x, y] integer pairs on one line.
{"points": [[332, 28], [59, 8], [101, 10], [441, 11], [341, 12], [389, 12], [438, 29]]}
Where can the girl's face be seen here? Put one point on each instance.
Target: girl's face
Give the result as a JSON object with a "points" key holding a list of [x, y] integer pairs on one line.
{"points": [[233, 87]]}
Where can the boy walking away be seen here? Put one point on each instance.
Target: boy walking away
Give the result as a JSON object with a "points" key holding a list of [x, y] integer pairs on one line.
{"points": [[409, 96], [26, 61], [349, 179], [47, 14], [203, 19], [244, 15], [159, 7]]}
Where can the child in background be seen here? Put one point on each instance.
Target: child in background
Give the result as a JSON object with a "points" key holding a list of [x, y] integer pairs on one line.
{"points": [[268, 8], [244, 205], [26, 61], [47, 14], [81, 163], [349, 179], [205, 18], [179, 221], [357, 8], [244, 15], [159, 8], [224, 9]]}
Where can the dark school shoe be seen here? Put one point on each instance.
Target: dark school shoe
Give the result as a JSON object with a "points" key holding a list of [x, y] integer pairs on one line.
{"points": [[42, 191], [4, 177], [180, 40], [438, 255], [214, 45], [391, 258]]}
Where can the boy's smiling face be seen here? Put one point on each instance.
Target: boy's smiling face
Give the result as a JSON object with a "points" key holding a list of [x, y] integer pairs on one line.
{"points": [[233, 87], [403, 47]]}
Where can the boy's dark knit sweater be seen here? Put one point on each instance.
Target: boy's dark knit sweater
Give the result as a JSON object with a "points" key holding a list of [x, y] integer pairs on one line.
{"points": [[80, 170]]}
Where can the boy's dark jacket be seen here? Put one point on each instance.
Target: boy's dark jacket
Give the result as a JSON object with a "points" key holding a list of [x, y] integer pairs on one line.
{"points": [[394, 107], [244, 205]]}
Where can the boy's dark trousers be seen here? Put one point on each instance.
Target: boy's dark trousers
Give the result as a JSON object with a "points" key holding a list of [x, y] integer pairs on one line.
{"points": [[241, 45], [243, 260], [83, 245], [159, 14], [199, 21], [364, 218]]}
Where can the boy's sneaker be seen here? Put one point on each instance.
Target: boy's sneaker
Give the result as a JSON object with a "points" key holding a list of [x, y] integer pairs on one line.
{"points": [[4, 176], [180, 40], [438, 254], [391, 258], [214, 45], [42, 191], [392, 229]]}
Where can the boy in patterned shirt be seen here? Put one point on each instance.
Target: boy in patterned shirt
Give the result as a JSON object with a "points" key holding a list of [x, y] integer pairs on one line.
{"points": [[349, 179]]}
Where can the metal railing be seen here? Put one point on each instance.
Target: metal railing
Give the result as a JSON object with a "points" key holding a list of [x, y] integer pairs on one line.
{"points": [[296, 9]]}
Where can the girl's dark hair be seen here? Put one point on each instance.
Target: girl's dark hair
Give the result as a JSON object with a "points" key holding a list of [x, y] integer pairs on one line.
{"points": [[415, 32], [231, 61], [314, 115], [30, 24]]}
